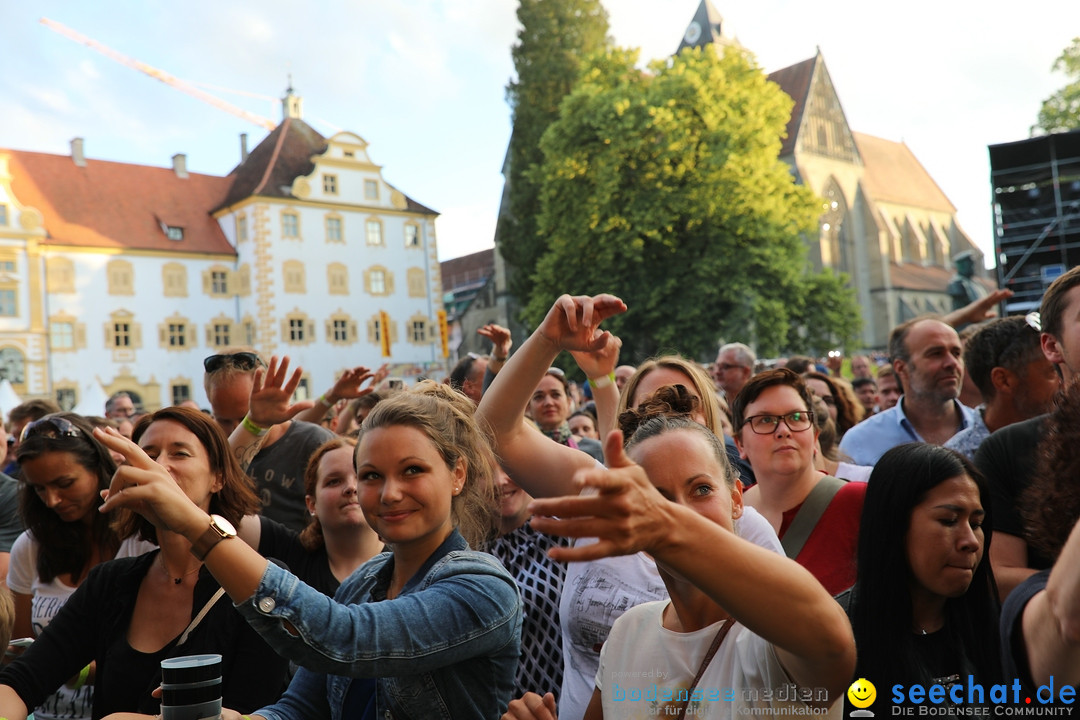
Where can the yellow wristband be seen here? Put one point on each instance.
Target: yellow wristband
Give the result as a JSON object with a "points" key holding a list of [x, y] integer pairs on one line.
{"points": [[252, 427], [83, 675], [603, 381]]}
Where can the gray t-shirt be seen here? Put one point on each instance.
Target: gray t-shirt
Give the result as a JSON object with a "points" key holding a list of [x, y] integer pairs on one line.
{"points": [[278, 472]]}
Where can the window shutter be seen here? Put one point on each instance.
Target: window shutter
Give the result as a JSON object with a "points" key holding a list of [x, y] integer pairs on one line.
{"points": [[207, 282], [192, 335], [329, 330], [136, 335], [310, 335], [354, 334], [80, 335], [163, 336], [109, 337]]}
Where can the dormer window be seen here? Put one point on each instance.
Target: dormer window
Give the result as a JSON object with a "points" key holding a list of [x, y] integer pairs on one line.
{"points": [[174, 233]]}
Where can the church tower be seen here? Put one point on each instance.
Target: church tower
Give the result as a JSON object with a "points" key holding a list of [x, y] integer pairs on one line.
{"points": [[707, 27]]}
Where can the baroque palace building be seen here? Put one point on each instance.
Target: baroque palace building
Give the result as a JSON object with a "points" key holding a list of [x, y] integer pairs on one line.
{"points": [[129, 275]]}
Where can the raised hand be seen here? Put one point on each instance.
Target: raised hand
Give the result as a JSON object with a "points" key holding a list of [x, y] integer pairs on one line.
{"points": [[501, 340], [348, 386], [145, 487], [271, 394], [628, 514], [531, 707], [573, 323], [600, 361]]}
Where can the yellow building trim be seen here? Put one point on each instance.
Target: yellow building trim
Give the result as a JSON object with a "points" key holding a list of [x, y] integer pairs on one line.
{"points": [[49, 250], [343, 206]]}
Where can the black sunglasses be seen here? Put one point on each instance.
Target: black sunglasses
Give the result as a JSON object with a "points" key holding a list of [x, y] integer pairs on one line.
{"points": [[240, 360], [50, 427]]}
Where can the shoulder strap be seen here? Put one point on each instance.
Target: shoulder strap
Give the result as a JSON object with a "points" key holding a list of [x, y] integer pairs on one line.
{"points": [[811, 511], [202, 613], [717, 640]]}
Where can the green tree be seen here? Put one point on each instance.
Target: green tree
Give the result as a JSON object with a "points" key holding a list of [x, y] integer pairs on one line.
{"points": [[1061, 111], [554, 36], [665, 188]]}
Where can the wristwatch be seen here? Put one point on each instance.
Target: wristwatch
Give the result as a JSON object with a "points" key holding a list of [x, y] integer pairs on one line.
{"points": [[220, 529]]}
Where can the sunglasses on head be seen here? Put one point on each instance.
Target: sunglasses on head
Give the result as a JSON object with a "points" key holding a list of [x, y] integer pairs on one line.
{"points": [[239, 360], [50, 427]]}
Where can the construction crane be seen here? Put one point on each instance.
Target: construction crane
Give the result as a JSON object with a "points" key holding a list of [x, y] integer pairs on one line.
{"points": [[161, 75]]}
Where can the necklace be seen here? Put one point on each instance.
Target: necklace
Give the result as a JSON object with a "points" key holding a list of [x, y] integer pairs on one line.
{"points": [[176, 580]]}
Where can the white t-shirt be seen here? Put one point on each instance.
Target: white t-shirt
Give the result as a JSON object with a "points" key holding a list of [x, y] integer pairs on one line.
{"points": [[596, 593], [46, 601], [643, 666]]}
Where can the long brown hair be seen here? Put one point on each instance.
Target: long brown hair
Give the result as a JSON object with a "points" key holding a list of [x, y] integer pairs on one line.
{"points": [[233, 501], [62, 546]]}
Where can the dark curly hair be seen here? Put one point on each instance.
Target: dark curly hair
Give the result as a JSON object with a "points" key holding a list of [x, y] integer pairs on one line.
{"points": [[1051, 505]]}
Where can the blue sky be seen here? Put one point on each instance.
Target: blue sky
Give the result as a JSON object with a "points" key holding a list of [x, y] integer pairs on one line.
{"points": [[423, 81]]}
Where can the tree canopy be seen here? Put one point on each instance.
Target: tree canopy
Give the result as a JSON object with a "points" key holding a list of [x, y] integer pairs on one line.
{"points": [[665, 188], [555, 35], [1061, 111]]}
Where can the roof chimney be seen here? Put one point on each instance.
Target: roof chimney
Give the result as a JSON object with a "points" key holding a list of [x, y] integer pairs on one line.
{"points": [[179, 165], [77, 152], [243, 147]]}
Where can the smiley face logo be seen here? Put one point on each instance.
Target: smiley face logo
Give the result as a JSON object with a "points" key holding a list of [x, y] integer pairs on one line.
{"points": [[862, 693]]}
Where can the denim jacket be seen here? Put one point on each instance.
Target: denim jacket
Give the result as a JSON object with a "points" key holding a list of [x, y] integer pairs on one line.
{"points": [[446, 647]]}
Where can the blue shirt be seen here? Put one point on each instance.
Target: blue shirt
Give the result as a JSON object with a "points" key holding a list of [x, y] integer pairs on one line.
{"points": [[446, 647], [967, 441], [867, 442]]}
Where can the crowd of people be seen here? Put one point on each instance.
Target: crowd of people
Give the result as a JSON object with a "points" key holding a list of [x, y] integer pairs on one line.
{"points": [[663, 539]]}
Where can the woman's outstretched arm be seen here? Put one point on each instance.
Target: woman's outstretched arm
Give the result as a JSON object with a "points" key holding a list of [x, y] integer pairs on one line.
{"points": [[543, 468]]}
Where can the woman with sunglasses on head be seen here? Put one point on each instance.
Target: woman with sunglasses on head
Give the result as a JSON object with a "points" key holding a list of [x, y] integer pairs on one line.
{"points": [[63, 471], [129, 614], [430, 630], [816, 516]]}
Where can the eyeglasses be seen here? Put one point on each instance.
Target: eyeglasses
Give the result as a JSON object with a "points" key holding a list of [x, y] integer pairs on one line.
{"points": [[728, 366], [767, 424], [50, 427], [557, 372], [1034, 321], [827, 399], [240, 360]]}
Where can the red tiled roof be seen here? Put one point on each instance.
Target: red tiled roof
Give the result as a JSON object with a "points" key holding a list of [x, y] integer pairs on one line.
{"points": [[119, 205], [795, 81], [894, 175]]}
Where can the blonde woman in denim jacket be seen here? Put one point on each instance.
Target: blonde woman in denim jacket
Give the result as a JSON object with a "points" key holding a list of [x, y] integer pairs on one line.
{"points": [[430, 630]]}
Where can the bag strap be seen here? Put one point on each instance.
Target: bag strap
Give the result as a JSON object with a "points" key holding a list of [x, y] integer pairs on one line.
{"points": [[720, 635], [202, 613], [811, 511]]}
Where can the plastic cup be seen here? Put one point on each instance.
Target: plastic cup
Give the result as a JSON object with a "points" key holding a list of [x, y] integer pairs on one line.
{"points": [[191, 687]]}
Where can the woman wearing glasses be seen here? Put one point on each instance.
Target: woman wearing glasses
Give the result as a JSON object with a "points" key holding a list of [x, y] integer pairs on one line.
{"points": [[816, 516], [129, 614], [63, 470]]}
